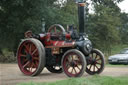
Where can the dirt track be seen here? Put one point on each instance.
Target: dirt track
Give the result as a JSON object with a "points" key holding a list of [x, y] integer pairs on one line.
{"points": [[11, 75]]}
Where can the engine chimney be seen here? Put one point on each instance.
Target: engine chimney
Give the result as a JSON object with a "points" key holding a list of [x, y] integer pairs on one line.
{"points": [[81, 6]]}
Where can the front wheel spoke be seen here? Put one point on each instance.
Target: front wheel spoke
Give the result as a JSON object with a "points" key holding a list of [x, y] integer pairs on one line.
{"points": [[30, 69], [78, 67], [94, 68], [75, 70], [90, 67], [72, 57], [92, 55], [78, 62], [96, 56], [72, 70], [98, 63], [67, 60], [98, 59], [67, 66]]}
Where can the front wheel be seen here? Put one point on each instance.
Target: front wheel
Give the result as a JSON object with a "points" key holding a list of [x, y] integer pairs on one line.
{"points": [[95, 62], [73, 63]]}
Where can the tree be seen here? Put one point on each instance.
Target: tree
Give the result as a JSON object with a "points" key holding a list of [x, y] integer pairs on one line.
{"points": [[124, 28], [103, 25], [18, 16]]}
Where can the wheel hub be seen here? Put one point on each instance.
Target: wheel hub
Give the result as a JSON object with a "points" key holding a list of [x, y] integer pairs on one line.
{"points": [[29, 57], [73, 63], [93, 61]]}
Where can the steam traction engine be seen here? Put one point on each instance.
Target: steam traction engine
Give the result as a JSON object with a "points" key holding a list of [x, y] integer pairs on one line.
{"points": [[59, 50]]}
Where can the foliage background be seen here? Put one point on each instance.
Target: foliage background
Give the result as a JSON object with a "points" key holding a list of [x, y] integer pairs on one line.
{"points": [[106, 27]]}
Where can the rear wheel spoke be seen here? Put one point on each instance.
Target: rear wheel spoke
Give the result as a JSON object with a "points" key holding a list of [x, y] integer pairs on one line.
{"points": [[30, 48], [36, 64], [26, 48], [34, 51], [22, 55], [35, 58], [26, 64], [25, 60]]}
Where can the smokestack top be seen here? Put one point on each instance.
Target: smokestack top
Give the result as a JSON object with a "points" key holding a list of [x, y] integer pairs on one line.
{"points": [[80, 1], [81, 4]]}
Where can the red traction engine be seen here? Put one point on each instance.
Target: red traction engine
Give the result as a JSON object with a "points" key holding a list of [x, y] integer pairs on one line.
{"points": [[60, 51]]}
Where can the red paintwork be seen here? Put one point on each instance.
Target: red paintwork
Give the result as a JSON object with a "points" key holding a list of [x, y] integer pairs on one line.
{"points": [[46, 40], [68, 36]]}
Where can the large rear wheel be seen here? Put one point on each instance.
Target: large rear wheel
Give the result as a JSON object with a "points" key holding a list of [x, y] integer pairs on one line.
{"points": [[31, 57], [73, 63], [95, 63]]}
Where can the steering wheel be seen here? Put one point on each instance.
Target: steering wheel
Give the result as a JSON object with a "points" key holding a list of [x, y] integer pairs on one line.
{"points": [[56, 30]]}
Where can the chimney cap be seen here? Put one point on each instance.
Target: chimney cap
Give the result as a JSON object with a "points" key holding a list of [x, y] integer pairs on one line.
{"points": [[80, 1]]}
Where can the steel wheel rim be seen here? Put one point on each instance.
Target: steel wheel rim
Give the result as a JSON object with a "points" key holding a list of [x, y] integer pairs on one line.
{"points": [[95, 63], [28, 57], [72, 70]]}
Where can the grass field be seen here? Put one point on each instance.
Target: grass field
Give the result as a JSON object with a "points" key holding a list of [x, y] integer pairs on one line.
{"points": [[93, 80], [116, 65]]}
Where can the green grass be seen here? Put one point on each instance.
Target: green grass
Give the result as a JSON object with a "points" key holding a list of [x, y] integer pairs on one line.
{"points": [[116, 65], [92, 80]]}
